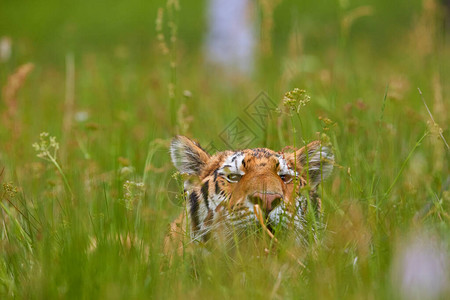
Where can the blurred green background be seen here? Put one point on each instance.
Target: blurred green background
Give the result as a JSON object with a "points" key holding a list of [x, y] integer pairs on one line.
{"points": [[48, 29]]}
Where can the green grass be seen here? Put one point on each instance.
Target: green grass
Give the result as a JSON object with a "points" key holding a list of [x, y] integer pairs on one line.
{"points": [[389, 187]]}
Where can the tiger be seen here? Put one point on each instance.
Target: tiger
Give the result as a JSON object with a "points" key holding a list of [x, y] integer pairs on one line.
{"points": [[223, 190]]}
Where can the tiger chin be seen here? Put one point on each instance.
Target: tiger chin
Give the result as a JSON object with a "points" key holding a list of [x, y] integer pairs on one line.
{"points": [[224, 189]]}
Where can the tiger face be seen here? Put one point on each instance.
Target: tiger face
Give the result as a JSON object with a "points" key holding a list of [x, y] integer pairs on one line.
{"points": [[225, 187]]}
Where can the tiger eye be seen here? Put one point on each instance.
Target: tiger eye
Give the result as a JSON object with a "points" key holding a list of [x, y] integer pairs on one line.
{"points": [[234, 177], [286, 178]]}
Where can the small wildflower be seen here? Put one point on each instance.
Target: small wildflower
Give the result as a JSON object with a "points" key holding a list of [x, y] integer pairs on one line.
{"points": [[326, 120], [10, 189], [47, 147], [328, 123], [132, 192], [125, 171], [187, 94], [296, 99], [325, 139], [81, 116]]}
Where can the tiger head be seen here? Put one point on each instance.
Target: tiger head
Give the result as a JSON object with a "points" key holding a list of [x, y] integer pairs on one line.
{"points": [[225, 187]]}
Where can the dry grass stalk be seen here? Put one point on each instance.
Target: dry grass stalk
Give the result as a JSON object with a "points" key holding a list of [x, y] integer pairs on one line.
{"points": [[127, 242], [69, 102], [439, 129], [70, 93], [184, 120], [258, 213], [351, 16], [267, 7], [423, 36], [9, 95]]}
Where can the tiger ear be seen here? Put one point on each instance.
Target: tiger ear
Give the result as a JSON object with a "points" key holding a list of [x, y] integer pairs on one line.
{"points": [[315, 162], [187, 156]]}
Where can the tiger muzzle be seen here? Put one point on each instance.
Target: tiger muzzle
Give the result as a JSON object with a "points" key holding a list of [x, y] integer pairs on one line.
{"points": [[268, 201]]}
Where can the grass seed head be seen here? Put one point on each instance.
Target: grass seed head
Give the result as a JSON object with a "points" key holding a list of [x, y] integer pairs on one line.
{"points": [[296, 99], [10, 189], [132, 192], [47, 147]]}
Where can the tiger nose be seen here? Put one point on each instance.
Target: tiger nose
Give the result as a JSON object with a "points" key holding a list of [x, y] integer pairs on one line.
{"points": [[268, 201]]}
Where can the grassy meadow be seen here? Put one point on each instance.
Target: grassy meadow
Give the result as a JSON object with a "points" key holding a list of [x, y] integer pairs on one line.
{"points": [[93, 92]]}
